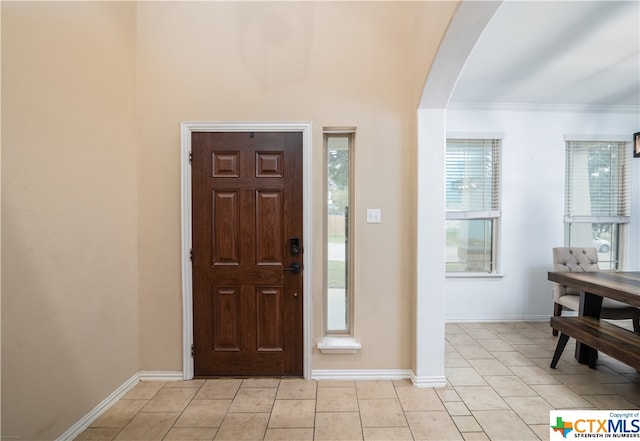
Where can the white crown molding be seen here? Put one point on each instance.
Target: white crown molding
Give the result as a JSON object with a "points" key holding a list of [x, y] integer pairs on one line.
{"points": [[533, 107]]}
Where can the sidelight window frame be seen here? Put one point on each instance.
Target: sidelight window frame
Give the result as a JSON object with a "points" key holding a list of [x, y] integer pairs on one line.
{"points": [[338, 338]]}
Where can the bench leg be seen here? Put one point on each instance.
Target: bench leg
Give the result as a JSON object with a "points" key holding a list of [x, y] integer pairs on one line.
{"points": [[562, 342], [593, 356]]}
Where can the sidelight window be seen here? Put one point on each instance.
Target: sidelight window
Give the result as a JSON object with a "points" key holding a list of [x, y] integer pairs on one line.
{"points": [[338, 280]]}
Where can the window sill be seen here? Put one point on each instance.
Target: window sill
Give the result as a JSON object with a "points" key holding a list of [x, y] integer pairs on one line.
{"points": [[474, 275], [339, 345]]}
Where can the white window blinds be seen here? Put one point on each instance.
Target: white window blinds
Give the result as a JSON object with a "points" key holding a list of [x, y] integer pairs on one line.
{"points": [[598, 182], [472, 178]]}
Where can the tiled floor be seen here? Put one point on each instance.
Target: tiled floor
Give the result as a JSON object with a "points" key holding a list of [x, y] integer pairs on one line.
{"points": [[500, 386]]}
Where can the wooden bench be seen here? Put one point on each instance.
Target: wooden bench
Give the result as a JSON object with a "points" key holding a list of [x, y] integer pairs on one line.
{"points": [[617, 342]]}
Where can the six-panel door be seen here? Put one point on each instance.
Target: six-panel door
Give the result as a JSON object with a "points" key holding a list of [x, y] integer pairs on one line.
{"points": [[247, 213]]}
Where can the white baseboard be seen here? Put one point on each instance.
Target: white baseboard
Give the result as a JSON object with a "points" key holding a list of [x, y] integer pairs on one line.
{"points": [[160, 376], [428, 381], [337, 374], [361, 374], [379, 374], [101, 408], [500, 318]]}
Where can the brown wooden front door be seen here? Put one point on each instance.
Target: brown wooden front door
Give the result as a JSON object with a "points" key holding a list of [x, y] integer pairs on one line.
{"points": [[247, 240]]}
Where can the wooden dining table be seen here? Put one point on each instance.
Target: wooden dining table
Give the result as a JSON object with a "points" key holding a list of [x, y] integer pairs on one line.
{"points": [[623, 286]]}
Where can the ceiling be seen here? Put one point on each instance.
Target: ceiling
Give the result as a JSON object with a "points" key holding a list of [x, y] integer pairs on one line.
{"points": [[582, 53]]}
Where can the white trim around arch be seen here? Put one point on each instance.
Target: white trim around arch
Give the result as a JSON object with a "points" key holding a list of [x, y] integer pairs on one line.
{"points": [[187, 290], [465, 28]]}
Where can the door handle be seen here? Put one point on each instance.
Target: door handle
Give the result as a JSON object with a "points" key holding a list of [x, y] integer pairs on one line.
{"points": [[293, 268]]}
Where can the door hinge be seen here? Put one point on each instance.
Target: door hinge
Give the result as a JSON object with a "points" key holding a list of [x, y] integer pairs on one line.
{"points": [[192, 351], [190, 157], [191, 254]]}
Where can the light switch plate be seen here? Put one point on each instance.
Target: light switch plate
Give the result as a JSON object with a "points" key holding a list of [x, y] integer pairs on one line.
{"points": [[374, 216]]}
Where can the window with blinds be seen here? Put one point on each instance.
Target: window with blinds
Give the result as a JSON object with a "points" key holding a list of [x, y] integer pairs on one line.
{"points": [[597, 197], [472, 204]]}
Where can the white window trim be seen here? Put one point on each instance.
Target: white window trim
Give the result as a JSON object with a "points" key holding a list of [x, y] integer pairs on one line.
{"points": [[496, 215], [622, 221], [337, 342]]}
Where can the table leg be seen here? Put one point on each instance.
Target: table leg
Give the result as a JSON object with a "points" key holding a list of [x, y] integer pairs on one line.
{"points": [[590, 305]]}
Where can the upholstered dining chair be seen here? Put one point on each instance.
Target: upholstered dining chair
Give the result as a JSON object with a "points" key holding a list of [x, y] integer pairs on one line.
{"points": [[586, 259]]}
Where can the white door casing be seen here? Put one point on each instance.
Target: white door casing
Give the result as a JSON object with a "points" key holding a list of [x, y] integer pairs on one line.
{"points": [[187, 290]]}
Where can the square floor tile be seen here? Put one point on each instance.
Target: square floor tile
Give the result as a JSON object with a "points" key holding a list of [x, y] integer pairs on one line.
{"points": [[204, 413], [473, 352], [609, 401], [254, 399], [190, 434], [475, 436], [532, 410], [561, 397], [243, 426], [148, 426], [448, 394], [436, 425], [493, 424], [456, 408], [510, 386], [417, 398], [383, 412], [337, 399], [495, 345], [455, 360], [293, 414], [464, 377], [289, 435], [387, 434], [120, 413], [98, 434], [296, 389], [490, 367], [260, 382], [534, 375], [375, 389], [466, 423], [144, 390], [457, 340], [510, 359], [170, 399], [219, 389], [336, 426], [481, 398]]}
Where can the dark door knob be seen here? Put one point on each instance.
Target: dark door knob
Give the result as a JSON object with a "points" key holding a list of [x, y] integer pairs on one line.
{"points": [[293, 268]]}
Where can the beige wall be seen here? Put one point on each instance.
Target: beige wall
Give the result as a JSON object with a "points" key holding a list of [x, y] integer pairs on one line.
{"points": [[331, 63], [69, 270], [92, 99]]}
